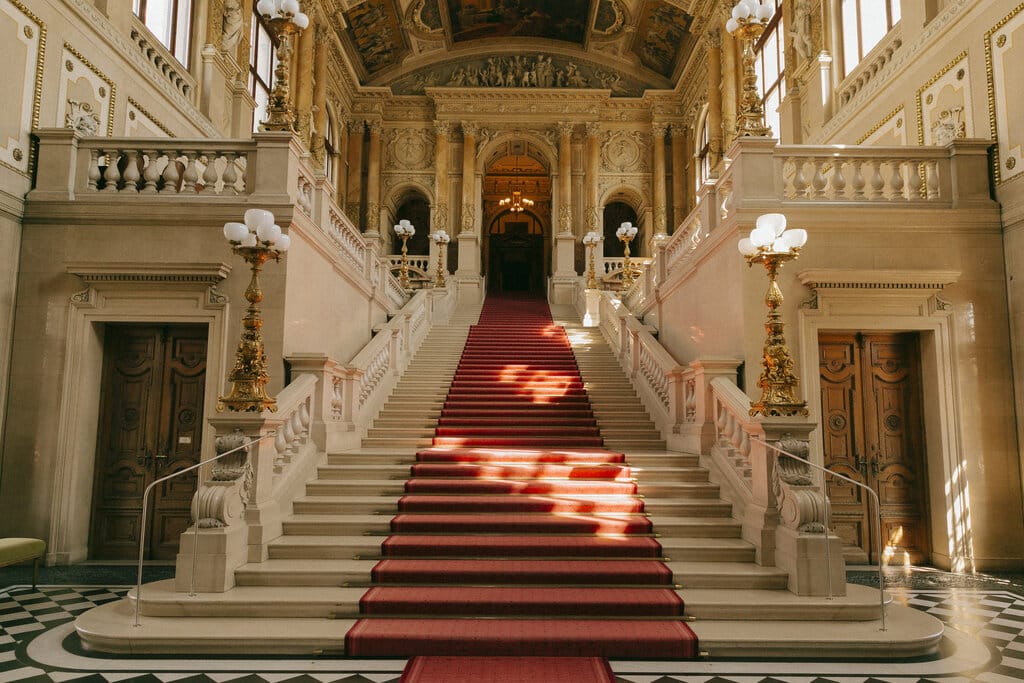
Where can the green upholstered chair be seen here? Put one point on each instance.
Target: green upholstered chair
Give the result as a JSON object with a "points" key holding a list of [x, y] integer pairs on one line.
{"points": [[17, 550]]}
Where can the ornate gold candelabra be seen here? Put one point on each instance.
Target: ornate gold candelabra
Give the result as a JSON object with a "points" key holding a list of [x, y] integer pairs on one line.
{"points": [[258, 240], [283, 20], [404, 230], [772, 245], [441, 239], [748, 23], [626, 233], [590, 241]]}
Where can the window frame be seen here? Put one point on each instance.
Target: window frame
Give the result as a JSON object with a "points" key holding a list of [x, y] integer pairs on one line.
{"points": [[777, 28], [255, 78]]}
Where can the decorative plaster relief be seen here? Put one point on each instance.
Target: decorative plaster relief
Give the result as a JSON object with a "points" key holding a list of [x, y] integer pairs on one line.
{"points": [[87, 94], [410, 148], [23, 50], [943, 105], [625, 150], [891, 130], [1004, 44]]}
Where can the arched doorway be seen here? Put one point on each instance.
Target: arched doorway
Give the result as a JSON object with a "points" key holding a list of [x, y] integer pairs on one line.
{"points": [[517, 210], [615, 214]]}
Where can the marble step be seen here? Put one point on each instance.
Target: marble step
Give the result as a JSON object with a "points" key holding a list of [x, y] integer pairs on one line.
{"points": [[110, 628], [396, 487], [382, 505], [160, 599]]}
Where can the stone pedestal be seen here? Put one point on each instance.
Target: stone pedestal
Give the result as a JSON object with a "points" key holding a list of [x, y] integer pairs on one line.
{"points": [[592, 312]]}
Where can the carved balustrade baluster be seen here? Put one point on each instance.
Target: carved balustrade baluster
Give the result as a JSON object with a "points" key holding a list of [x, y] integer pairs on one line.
{"points": [[150, 172], [170, 174], [857, 183], [914, 182], [111, 175], [837, 181], [191, 174], [799, 179], [230, 175], [896, 181], [877, 184], [94, 169], [932, 179], [131, 173], [210, 174], [818, 180]]}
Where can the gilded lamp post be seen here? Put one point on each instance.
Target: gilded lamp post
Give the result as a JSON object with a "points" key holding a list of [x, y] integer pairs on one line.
{"points": [[404, 230], [748, 21], [441, 239], [284, 20], [626, 232], [590, 241], [771, 244], [257, 240]]}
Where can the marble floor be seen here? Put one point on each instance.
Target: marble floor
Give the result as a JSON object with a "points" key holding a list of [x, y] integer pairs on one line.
{"points": [[985, 639]]}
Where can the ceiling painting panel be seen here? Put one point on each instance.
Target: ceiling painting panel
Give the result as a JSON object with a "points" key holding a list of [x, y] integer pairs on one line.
{"points": [[564, 20], [375, 31], [662, 36]]}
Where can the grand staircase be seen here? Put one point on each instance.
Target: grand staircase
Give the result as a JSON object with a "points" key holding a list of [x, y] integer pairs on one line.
{"points": [[330, 573]]}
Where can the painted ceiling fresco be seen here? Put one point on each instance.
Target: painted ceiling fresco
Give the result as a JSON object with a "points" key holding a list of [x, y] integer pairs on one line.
{"points": [[380, 36], [555, 19], [661, 34]]}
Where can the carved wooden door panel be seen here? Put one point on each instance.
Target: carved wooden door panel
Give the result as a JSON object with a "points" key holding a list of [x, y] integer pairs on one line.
{"points": [[150, 426], [873, 433]]}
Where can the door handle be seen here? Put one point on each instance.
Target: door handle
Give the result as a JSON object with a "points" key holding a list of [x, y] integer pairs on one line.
{"points": [[144, 459], [862, 466], [874, 467], [159, 458]]}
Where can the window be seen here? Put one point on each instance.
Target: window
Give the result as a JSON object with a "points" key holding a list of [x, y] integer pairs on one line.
{"points": [[330, 148], [770, 63], [865, 23], [170, 21], [262, 60], [703, 151]]}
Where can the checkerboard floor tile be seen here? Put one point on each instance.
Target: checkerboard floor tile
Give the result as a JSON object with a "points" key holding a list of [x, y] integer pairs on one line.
{"points": [[996, 618]]}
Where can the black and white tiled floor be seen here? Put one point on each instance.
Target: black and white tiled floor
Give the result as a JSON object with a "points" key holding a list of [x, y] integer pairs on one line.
{"points": [[37, 642]]}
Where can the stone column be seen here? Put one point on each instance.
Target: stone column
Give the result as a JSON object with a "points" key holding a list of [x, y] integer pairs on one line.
{"points": [[593, 218], [341, 168], [563, 281], [439, 213], [354, 198], [373, 180], [468, 239], [658, 178], [680, 188], [714, 41], [469, 133], [730, 84], [565, 129], [304, 83], [317, 144]]}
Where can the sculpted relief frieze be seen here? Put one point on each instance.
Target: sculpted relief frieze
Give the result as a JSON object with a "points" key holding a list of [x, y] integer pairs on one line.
{"points": [[536, 70]]}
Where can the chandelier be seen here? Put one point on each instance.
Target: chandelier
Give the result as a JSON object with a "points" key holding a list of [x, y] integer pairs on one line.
{"points": [[517, 203]]}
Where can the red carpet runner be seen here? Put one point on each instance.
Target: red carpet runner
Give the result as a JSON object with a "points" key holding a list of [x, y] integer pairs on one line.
{"points": [[519, 535]]}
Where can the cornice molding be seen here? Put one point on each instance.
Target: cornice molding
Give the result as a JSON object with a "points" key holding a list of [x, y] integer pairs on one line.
{"points": [[843, 278]]}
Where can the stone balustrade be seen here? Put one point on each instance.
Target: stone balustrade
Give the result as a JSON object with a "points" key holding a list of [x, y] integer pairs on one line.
{"points": [[166, 166]]}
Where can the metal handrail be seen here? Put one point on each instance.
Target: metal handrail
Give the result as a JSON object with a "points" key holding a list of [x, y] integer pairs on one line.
{"points": [[878, 518], [145, 510]]}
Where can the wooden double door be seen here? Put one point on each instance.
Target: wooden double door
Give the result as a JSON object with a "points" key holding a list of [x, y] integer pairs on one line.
{"points": [[151, 422], [872, 427]]}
